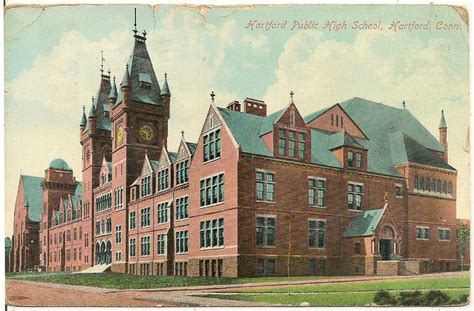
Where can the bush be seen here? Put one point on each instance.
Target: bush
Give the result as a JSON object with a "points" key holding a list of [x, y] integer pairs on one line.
{"points": [[435, 298], [414, 298], [384, 298]]}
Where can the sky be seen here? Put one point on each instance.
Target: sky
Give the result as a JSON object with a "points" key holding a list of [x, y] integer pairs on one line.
{"points": [[52, 63]]}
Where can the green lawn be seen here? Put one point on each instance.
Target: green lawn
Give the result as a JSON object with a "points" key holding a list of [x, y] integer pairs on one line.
{"points": [[128, 281], [347, 294]]}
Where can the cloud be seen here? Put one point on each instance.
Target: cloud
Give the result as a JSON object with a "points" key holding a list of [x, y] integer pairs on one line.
{"points": [[429, 77]]}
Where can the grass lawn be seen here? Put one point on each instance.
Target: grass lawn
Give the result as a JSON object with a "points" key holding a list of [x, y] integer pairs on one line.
{"points": [[128, 281], [347, 294]]}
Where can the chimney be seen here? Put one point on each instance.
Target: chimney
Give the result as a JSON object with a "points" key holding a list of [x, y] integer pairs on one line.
{"points": [[235, 105], [255, 106]]}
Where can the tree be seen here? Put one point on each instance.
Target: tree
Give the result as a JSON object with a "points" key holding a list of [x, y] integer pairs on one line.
{"points": [[463, 241]]}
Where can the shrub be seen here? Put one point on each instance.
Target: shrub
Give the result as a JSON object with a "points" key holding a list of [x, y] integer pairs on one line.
{"points": [[384, 298], [413, 298], [435, 298]]}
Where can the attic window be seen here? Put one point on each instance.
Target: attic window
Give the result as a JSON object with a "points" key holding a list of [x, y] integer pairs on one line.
{"points": [[145, 80]]}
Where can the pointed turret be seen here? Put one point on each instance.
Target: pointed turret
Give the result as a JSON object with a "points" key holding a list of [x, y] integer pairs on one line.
{"points": [[165, 91], [113, 93], [443, 135]]}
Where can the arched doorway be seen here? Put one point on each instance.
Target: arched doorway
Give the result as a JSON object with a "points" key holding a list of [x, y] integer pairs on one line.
{"points": [[387, 243]]}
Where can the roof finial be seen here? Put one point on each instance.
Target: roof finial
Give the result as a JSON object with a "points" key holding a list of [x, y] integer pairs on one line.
{"points": [[135, 30], [291, 94], [212, 96], [102, 62], [403, 105]]}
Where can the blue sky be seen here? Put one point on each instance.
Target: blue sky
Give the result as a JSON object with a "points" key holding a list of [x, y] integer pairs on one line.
{"points": [[52, 59]]}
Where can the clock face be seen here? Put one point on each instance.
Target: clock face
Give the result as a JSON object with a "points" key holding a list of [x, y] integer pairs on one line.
{"points": [[119, 135], [146, 133]]}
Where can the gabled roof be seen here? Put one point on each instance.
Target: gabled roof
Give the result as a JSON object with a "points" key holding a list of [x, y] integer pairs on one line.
{"points": [[344, 139], [140, 66], [33, 195], [364, 223]]}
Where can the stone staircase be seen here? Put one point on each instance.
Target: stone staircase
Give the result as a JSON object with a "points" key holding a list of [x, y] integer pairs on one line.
{"points": [[97, 269]]}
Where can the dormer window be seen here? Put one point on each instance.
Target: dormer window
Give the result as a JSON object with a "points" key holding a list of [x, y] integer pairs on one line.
{"points": [[146, 186], [145, 80]]}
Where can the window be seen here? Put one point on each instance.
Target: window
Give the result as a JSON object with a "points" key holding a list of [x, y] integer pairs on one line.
{"points": [[161, 244], [146, 186], [422, 233], [181, 242], [145, 217], [281, 142], [316, 191], [301, 145], [212, 190], [354, 196], [359, 160], [350, 159], [265, 266], [212, 233], [444, 234], [132, 220], [416, 182], [162, 213], [265, 186], [212, 145], [317, 233], [118, 234], [182, 208], [398, 191], [291, 143], [266, 227], [163, 179], [145, 245], [357, 248], [118, 197], [182, 169], [133, 249]]}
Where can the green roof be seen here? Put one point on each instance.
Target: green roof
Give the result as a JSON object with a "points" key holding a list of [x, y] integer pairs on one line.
{"points": [[364, 223], [59, 164], [33, 195]]}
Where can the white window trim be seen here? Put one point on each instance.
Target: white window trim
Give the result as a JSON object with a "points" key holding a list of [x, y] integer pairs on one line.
{"points": [[325, 226]]}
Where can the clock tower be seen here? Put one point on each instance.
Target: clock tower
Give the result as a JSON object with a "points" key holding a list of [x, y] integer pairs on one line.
{"points": [[139, 114]]}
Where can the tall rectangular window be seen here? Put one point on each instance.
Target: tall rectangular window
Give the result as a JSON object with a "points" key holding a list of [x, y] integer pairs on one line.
{"points": [[212, 233], [266, 227], [212, 145], [422, 233], [163, 179], [145, 217], [162, 212], [265, 186], [350, 159], [316, 191], [181, 242], [145, 245], [444, 234], [146, 186], [161, 244], [359, 160], [291, 143], [316, 233], [281, 141], [301, 145], [133, 247], [182, 208], [212, 190], [132, 220], [182, 169], [354, 196], [118, 234]]}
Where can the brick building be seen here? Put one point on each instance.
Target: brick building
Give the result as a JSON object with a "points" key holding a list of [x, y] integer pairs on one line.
{"points": [[356, 188]]}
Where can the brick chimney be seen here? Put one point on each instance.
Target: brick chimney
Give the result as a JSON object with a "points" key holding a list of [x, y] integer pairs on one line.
{"points": [[255, 106]]}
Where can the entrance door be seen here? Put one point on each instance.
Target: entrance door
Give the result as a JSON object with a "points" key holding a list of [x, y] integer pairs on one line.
{"points": [[386, 249]]}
